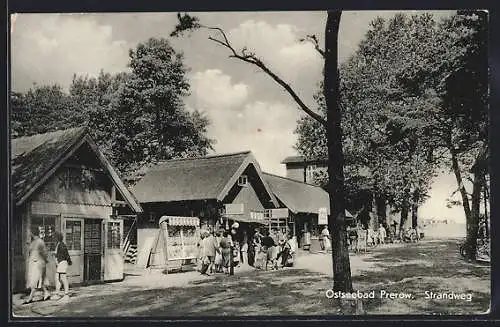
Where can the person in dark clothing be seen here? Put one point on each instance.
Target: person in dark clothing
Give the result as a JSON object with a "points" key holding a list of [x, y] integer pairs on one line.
{"points": [[244, 247], [251, 254], [63, 260], [285, 253], [270, 248], [257, 236]]}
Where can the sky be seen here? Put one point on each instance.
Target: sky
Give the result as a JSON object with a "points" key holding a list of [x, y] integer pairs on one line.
{"points": [[248, 111]]}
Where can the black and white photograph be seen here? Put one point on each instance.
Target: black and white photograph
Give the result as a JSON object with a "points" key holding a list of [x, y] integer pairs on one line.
{"points": [[244, 164]]}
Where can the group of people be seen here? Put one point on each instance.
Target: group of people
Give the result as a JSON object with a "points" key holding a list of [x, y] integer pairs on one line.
{"points": [[360, 238], [215, 251], [263, 250], [38, 260], [271, 250]]}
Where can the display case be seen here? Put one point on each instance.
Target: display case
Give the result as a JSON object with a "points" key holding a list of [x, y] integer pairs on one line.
{"points": [[180, 236]]}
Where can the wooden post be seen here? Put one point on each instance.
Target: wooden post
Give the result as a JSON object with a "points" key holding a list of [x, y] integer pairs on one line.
{"points": [[231, 259], [165, 245]]}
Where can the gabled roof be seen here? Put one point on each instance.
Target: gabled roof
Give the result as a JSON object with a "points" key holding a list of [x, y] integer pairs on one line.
{"points": [[302, 159], [36, 158], [299, 197], [202, 178]]}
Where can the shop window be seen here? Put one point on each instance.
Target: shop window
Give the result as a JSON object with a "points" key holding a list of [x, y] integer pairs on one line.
{"points": [[74, 235], [46, 226], [114, 235]]}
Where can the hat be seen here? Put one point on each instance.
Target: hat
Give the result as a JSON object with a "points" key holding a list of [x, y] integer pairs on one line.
{"points": [[235, 225]]}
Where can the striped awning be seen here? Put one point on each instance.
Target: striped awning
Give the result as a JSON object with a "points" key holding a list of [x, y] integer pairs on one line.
{"points": [[180, 221]]}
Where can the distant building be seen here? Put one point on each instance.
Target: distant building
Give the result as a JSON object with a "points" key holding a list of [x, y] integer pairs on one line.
{"points": [[301, 169], [303, 202]]}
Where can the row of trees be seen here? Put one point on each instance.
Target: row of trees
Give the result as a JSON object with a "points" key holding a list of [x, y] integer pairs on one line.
{"points": [[396, 114], [136, 117], [414, 99]]}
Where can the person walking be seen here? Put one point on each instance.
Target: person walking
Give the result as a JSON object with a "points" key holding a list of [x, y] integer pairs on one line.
{"points": [[257, 236], [244, 248], [325, 239], [63, 260], [353, 239], [200, 251], [225, 248], [382, 234], [269, 246], [285, 252], [37, 267], [209, 250], [218, 256]]}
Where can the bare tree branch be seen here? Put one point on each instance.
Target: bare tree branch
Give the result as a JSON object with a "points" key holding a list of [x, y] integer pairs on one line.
{"points": [[251, 58], [314, 40], [454, 192]]}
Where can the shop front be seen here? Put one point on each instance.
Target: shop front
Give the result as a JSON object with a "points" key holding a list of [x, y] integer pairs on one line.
{"points": [[94, 243], [77, 193]]}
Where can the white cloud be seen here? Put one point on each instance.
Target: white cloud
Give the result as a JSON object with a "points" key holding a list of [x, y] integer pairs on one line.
{"points": [[212, 90], [262, 127], [239, 124], [50, 48], [278, 46]]}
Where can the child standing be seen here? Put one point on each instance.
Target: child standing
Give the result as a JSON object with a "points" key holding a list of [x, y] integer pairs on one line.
{"points": [[63, 260]]}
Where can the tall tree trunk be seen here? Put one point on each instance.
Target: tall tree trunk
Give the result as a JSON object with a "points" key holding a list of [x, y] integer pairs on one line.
{"points": [[374, 220], [405, 208], [479, 171], [382, 210], [336, 222], [414, 209], [472, 233], [461, 186]]}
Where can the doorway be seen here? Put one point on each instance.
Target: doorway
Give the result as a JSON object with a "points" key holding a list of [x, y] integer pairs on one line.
{"points": [[93, 250]]}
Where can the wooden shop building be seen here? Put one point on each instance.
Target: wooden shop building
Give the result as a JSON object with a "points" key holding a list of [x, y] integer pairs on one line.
{"points": [[218, 189], [62, 182], [308, 206]]}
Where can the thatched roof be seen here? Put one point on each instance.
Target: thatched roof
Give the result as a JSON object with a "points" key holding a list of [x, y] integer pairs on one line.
{"points": [[299, 197], [36, 158], [190, 179], [33, 156]]}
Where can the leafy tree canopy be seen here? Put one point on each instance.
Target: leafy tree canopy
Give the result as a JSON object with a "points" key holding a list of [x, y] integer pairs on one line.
{"points": [[137, 117]]}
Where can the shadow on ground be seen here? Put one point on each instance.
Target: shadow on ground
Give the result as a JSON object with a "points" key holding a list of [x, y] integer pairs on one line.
{"points": [[416, 268], [286, 292], [428, 266]]}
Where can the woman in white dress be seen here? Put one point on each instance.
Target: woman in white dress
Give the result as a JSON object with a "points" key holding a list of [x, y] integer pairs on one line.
{"points": [[37, 267]]}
